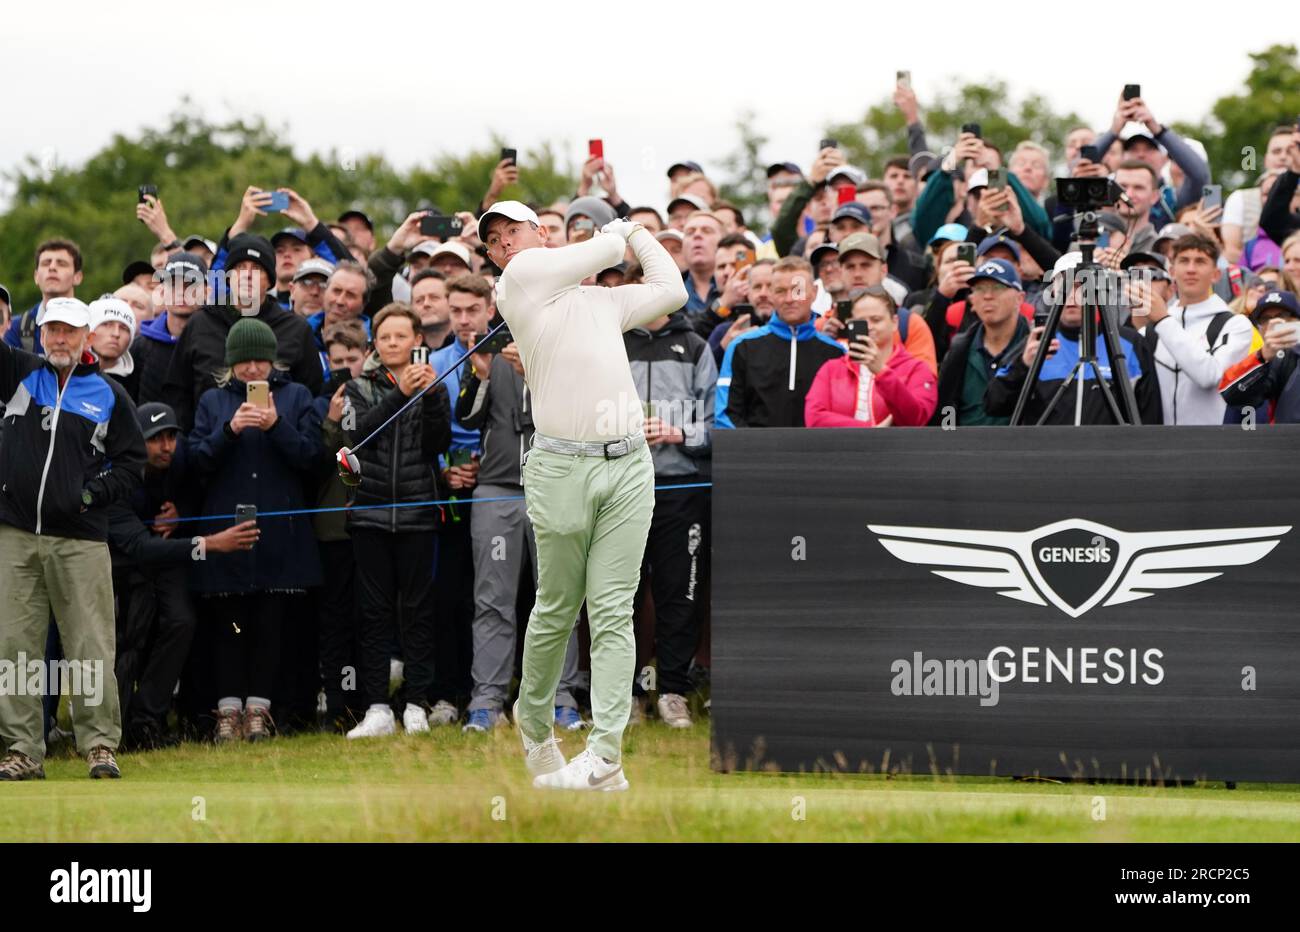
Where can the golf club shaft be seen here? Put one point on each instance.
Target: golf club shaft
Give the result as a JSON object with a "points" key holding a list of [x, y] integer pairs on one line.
{"points": [[434, 384]]}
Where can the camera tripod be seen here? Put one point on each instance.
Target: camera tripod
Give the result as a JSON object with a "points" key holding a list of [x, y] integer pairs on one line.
{"points": [[1093, 311]]}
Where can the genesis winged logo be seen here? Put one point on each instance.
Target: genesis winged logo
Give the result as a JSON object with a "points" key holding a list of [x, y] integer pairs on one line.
{"points": [[1075, 564]]}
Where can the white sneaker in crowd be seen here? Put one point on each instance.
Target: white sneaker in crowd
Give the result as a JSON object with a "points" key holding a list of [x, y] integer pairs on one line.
{"points": [[444, 713], [541, 757], [414, 721], [379, 721], [673, 711], [587, 771]]}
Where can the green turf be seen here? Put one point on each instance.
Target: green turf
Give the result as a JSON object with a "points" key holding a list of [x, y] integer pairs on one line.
{"points": [[454, 787]]}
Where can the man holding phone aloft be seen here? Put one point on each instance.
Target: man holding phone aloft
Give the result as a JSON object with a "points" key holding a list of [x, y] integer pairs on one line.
{"points": [[1148, 140], [589, 479]]}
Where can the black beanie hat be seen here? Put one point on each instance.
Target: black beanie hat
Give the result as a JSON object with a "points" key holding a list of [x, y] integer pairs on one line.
{"points": [[249, 246]]}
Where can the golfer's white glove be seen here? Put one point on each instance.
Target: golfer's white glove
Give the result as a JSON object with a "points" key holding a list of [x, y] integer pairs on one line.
{"points": [[623, 228]]}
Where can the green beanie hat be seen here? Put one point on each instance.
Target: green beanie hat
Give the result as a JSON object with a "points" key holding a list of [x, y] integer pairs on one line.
{"points": [[250, 339]]}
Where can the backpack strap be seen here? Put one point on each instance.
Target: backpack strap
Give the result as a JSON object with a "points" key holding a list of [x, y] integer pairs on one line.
{"points": [[1217, 323], [27, 331]]}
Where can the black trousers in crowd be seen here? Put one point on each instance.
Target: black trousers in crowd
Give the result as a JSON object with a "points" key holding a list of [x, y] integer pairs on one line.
{"points": [[388, 564], [247, 643], [674, 553], [454, 632], [340, 646], [155, 628], [298, 681]]}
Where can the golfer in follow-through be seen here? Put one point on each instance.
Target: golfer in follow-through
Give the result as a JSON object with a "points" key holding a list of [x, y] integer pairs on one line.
{"points": [[588, 479]]}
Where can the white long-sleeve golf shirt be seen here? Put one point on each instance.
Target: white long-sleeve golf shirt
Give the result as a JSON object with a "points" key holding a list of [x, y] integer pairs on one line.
{"points": [[570, 336]]}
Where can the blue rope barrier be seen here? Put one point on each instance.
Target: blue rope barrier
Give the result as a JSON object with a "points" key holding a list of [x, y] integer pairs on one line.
{"points": [[429, 504]]}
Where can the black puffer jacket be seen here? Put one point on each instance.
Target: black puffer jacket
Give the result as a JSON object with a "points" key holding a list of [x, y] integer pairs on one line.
{"points": [[401, 463]]}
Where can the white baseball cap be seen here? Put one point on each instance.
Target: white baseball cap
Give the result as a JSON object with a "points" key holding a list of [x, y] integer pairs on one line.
{"points": [[697, 203], [511, 210], [69, 311], [854, 174], [434, 250], [979, 178], [103, 310], [313, 266]]}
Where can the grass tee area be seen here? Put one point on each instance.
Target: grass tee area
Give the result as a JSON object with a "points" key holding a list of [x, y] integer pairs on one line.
{"points": [[452, 787]]}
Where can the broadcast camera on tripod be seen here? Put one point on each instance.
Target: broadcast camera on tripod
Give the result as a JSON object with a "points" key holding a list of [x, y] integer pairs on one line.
{"points": [[1100, 302]]}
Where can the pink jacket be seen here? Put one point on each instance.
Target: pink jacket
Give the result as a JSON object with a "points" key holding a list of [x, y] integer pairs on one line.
{"points": [[905, 389]]}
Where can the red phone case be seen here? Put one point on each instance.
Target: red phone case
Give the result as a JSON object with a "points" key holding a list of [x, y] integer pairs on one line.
{"points": [[845, 194], [595, 148]]}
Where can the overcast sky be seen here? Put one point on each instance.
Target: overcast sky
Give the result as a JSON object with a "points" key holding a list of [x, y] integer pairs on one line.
{"points": [[658, 80]]}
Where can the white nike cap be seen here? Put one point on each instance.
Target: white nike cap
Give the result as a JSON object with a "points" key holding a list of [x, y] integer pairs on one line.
{"points": [[68, 311], [511, 210], [102, 310]]}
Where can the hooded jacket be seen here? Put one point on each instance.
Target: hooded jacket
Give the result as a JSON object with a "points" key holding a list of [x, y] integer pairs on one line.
{"points": [[63, 443], [673, 369], [152, 351], [400, 465], [200, 354], [1084, 394], [766, 374], [905, 390], [126, 373], [268, 469], [1190, 369]]}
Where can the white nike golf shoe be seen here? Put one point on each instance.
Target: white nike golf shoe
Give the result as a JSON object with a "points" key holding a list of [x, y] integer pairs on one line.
{"points": [[542, 757], [587, 771]]}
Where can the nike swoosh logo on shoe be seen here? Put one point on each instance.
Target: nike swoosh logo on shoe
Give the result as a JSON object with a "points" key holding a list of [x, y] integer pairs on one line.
{"points": [[593, 780]]}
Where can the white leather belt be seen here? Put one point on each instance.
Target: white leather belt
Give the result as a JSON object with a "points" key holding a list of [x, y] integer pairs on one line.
{"points": [[608, 450]]}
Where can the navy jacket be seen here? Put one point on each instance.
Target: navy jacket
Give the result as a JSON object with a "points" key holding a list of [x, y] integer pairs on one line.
{"points": [[200, 354], [63, 443], [268, 469], [1275, 384]]}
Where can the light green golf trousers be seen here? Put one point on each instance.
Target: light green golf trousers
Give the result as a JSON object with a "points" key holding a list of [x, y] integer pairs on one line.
{"points": [[591, 516]]}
